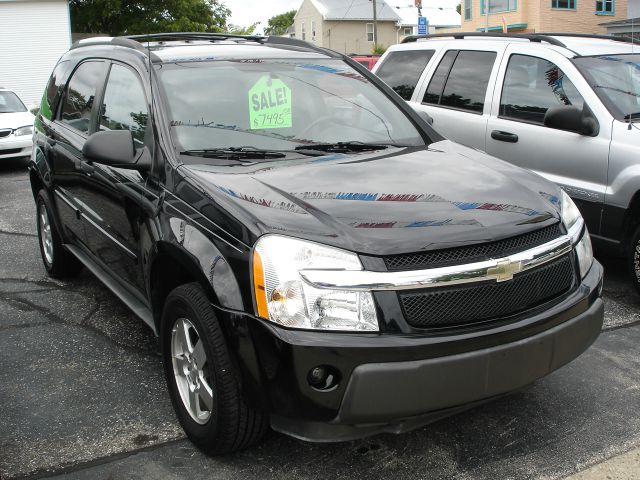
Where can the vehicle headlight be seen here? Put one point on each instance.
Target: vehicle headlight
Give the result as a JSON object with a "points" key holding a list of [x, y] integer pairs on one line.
{"points": [[570, 213], [19, 132], [584, 251], [283, 297]]}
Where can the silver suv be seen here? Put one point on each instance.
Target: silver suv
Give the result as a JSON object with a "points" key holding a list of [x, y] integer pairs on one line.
{"points": [[564, 106]]}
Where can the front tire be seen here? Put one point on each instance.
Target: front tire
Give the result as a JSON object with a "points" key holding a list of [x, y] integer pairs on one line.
{"points": [[633, 258], [204, 389], [58, 261]]}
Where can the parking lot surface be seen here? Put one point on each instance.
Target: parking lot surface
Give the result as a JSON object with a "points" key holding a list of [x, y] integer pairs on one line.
{"points": [[82, 394]]}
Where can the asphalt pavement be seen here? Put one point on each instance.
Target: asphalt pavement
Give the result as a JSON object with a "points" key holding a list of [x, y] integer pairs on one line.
{"points": [[82, 394]]}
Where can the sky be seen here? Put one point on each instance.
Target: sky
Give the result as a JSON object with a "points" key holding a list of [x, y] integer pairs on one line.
{"points": [[246, 12]]}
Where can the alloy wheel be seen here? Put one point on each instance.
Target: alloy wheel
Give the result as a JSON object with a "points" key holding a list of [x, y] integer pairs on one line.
{"points": [[46, 237]]}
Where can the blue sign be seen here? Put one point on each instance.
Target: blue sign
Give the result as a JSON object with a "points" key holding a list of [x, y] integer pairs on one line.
{"points": [[423, 26]]}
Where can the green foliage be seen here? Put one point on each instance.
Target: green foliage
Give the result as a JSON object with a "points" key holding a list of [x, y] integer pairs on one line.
{"points": [[243, 30], [459, 8], [130, 17], [278, 24], [378, 49]]}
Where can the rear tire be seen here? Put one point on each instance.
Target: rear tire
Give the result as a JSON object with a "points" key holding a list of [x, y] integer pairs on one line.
{"points": [[204, 388], [633, 258], [58, 261]]}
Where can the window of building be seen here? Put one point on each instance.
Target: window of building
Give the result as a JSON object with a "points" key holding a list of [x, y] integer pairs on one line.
{"points": [[304, 35], [370, 32], [495, 6], [124, 106], [313, 31], [533, 85], [461, 80], [401, 70], [408, 31], [605, 7], [467, 9], [80, 95], [563, 4]]}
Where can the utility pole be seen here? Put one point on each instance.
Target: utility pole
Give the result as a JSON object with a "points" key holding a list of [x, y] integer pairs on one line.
{"points": [[375, 24]]}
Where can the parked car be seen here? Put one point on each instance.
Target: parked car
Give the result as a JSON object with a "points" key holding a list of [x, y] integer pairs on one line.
{"points": [[330, 275], [16, 127], [367, 60], [565, 106]]}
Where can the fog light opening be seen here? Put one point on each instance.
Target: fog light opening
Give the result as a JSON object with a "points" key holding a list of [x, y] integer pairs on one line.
{"points": [[323, 378]]}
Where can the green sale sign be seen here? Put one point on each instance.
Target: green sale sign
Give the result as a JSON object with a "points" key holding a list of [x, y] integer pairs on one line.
{"points": [[270, 104]]}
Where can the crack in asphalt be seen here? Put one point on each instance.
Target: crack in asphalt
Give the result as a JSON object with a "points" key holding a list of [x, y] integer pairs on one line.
{"points": [[17, 234]]}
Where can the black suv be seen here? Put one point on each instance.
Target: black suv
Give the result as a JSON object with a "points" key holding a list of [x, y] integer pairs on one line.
{"points": [[310, 253]]}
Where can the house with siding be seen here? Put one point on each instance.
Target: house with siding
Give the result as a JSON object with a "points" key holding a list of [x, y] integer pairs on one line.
{"points": [[33, 35], [345, 26], [572, 16]]}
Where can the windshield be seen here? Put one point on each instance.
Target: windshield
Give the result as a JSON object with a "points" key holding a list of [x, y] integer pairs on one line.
{"points": [[10, 103], [616, 80], [278, 104]]}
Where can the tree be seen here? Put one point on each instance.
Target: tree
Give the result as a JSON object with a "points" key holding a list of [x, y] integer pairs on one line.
{"points": [[459, 8], [279, 24], [130, 17], [237, 30]]}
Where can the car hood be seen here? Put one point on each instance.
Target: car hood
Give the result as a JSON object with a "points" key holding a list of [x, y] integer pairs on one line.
{"points": [[15, 120], [392, 201]]}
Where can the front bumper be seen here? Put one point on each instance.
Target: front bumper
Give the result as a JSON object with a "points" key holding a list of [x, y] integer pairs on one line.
{"points": [[394, 383], [16, 147]]}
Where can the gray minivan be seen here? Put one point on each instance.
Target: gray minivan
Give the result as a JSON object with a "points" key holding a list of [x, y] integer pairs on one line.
{"points": [[565, 106]]}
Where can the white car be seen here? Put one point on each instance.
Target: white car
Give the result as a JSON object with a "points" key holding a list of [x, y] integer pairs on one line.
{"points": [[16, 127]]}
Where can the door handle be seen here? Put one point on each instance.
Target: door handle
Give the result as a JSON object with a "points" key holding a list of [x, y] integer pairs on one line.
{"points": [[504, 136]]}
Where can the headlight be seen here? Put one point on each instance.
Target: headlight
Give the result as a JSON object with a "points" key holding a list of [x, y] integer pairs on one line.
{"points": [[570, 213], [19, 132], [584, 251], [284, 298]]}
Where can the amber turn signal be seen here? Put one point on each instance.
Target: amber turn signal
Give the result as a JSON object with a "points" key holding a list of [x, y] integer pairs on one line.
{"points": [[258, 286]]}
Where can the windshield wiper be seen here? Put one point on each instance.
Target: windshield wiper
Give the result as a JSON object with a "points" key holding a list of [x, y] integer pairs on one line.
{"points": [[235, 153], [344, 147], [632, 116]]}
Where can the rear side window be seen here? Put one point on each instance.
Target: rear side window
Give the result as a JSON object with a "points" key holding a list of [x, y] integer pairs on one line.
{"points": [[124, 106], [402, 70], [80, 94], [461, 80], [532, 86]]}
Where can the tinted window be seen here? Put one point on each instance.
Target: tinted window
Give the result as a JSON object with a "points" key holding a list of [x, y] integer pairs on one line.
{"points": [[9, 103], [124, 106], [532, 86], [51, 94], [466, 85], [434, 90], [81, 91], [402, 70]]}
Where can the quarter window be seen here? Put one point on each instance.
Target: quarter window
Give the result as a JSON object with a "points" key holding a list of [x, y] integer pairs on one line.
{"points": [[563, 4], [80, 94], [124, 106], [532, 86], [401, 70], [369, 32], [461, 80], [605, 7]]}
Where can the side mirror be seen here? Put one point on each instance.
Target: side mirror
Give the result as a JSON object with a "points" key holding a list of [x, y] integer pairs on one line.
{"points": [[114, 148], [425, 116], [572, 119]]}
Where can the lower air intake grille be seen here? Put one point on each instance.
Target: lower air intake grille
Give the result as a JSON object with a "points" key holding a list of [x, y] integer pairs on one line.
{"points": [[10, 151], [481, 302]]}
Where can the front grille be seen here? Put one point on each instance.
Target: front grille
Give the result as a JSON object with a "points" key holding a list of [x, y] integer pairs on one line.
{"points": [[472, 253], [481, 302], [5, 133], [10, 151]]}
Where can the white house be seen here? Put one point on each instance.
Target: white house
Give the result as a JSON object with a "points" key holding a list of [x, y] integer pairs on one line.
{"points": [[33, 36]]}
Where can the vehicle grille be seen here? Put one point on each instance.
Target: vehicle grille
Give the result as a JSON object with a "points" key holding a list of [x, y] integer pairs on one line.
{"points": [[472, 253], [10, 151], [481, 302], [5, 133]]}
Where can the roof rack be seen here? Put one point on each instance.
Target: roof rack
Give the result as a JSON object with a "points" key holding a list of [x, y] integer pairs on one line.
{"points": [[532, 37], [136, 41]]}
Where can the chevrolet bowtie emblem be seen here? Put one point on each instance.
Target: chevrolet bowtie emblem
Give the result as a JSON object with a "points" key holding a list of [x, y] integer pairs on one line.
{"points": [[504, 270]]}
